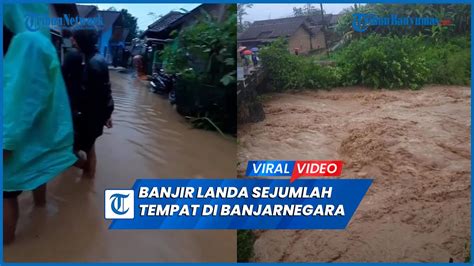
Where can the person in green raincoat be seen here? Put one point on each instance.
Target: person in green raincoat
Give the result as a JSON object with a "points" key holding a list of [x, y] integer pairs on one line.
{"points": [[37, 123]]}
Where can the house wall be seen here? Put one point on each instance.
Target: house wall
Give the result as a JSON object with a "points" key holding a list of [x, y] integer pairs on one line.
{"points": [[318, 41], [104, 43], [301, 40]]}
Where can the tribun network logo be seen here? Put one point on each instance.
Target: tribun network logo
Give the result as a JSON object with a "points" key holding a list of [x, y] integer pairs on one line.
{"points": [[362, 21], [119, 204], [295, 169]]}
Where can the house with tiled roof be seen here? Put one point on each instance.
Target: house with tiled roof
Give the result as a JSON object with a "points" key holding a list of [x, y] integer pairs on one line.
{"points": [[174, 20], [112, 34], [303, 33], [61, 44], [159, 33], [159, 29]]}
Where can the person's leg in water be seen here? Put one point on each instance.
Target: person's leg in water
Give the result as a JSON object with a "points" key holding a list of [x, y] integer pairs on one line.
{"points": [[10, 216], [90, 165], [11, 210], [84, 148], [39, 196], [79, 146], [81, 159]]}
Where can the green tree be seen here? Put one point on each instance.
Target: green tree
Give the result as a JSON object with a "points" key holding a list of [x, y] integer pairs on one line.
{"points": [[458, 14], [130, 23], [203, 55], [246, 25], [241, 12], [306, 10]]}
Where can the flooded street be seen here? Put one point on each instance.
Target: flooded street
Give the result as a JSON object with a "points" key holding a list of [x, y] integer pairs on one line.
{"points": [[149, 140]]}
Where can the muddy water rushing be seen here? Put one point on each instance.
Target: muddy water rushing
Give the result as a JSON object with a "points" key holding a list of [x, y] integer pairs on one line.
{"points": [[414, 144], [149, 139]]}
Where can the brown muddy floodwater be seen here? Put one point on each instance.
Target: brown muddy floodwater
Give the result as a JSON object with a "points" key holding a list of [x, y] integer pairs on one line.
{"points": [[414, 144], [149, 139]]}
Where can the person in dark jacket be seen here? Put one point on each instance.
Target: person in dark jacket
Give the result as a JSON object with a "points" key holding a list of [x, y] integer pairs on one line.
{"points": [[90, 95], [72, 70]]}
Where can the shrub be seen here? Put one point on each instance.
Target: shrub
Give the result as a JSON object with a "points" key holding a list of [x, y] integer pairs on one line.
{"points": [[245, 241], [383, 62], [204, 59], [288, 71], [448, 63], [375, 61]]}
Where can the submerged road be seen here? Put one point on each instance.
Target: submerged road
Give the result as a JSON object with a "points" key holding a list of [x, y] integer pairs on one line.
{"points": [[149, 139]]}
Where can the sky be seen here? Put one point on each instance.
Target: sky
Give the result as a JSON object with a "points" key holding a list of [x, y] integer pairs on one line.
{"points": [[257, 12], [272, 11], [141, 11]]}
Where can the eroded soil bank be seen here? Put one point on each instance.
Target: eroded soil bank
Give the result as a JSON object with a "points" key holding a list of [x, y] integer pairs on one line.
{"points": [[416, 146]]}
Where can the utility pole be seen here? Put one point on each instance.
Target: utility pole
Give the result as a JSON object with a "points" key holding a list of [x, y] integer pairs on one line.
{"points": [[324, 28]]}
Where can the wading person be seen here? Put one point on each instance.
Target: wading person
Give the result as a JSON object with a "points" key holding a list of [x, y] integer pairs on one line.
{"points": [[91, 100], [37, 126], [72, 70], [297, 51]]}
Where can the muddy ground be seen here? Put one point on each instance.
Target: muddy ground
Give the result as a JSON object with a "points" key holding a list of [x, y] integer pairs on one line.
{"points": [[416, 146]]}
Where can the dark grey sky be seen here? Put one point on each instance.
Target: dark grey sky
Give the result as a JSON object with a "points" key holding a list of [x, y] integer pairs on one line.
{"points": [[272, 11]]}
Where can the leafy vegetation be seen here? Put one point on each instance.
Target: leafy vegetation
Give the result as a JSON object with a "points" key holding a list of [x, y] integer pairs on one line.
{"points": [[129, 22], [288, 71], [458, 14], [241, 12], [203, 57], [405, 62], [449, 63], [245, 241], [384, 56], [383, 62], [307, 10]]}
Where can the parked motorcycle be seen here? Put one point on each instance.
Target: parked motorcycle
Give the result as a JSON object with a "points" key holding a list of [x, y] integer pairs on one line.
{"points": [[162, 83]]}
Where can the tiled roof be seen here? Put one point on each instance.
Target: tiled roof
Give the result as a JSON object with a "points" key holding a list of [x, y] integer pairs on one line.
{"points": [[85, 10], [165, 21], [109, 18], [283, 27]]}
